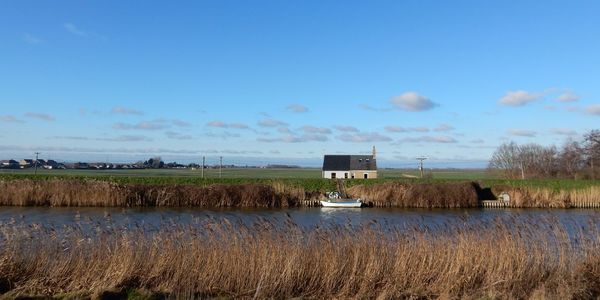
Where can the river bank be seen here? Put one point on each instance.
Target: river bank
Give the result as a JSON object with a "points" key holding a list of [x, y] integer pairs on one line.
{"points": [[94, 192]]}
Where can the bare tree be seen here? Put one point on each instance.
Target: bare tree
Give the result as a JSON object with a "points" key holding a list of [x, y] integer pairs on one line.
{"points": [[506, 158], [571, 159], [591, 142]]}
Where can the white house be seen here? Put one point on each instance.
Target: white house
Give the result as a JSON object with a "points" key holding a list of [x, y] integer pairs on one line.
{"points": [[350, 166]]}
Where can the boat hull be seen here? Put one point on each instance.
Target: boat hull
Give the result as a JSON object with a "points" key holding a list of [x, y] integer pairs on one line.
{"points": [[345, 204]]}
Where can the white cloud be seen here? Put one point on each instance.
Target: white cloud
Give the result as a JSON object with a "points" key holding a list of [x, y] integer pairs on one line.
{"points": [[364, 137], [443, 128], [411, 101], [429, 139], [221, 124], [563, 131], [290, 138], [522, 132], [126, 111], [181, 123], [346, 128], [371, 108], [75, 138], [406, 129], [297, 108], [40, 116], [96, 150], [32, 40], [477, 141], [313, 129], [593, 109], [127, 138], [567, 96], [71, 28], [10, 119], [177, 136], [519, 98], [222, 135], [272, 123], [146, 125]]}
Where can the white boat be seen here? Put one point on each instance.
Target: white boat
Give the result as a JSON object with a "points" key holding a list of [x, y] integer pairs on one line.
{"points": [[342, 203], [334, 200]]}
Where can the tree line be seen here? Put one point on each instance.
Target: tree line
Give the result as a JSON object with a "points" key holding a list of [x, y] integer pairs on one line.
{"points": [[574, 159]]}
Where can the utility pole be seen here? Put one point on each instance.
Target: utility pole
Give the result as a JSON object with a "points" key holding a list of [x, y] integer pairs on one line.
{"points": [[220, 166], [36, 162], [421, 159], [203, 162]]}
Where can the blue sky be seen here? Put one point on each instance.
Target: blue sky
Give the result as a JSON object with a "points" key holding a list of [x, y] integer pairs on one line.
{"points": [[288, 81]]}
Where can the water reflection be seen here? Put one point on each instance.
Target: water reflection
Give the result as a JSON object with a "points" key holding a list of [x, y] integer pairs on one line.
{"points": [[576, 219]]}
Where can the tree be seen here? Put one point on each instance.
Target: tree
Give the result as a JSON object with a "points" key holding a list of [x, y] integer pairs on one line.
{"points": [[154, 163], [591, 141], [506, 158], [571, 159]]}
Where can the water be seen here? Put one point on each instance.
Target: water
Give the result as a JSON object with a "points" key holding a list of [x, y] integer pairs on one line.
{"points": [[573, 219]]}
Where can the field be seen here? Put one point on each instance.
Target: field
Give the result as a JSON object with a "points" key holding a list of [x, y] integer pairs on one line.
{"points": [[460, 174], [309, 178]]}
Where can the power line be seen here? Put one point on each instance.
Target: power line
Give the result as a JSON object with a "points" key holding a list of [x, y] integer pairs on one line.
{"points": [[421, 159], [36, 162]]}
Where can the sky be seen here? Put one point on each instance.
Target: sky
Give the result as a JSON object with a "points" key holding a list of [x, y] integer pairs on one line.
{"points": [[261, 82]]}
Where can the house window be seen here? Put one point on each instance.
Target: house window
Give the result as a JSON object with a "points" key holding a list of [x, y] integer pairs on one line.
{"points": [[333, 175], [352, 175], [346, 175], [366, 175]]}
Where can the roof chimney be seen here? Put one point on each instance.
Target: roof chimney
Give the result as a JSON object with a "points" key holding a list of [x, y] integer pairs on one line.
{"points": [[374, 153]]}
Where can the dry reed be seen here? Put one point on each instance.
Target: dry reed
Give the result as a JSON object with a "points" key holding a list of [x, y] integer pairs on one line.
{"points": [[525, 259], [423, 195], [531, 197], [63, 192], [78, 192]]}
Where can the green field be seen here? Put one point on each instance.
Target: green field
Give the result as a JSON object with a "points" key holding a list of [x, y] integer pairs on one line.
{"points": [[254, 173], [309, 178]]}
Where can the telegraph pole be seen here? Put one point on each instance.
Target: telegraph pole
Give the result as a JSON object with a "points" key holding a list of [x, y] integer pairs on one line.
{"points": [[203, 162], [220, 166], [36, 162], [421, 159]]}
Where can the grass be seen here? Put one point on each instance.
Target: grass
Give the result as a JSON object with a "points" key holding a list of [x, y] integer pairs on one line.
{"points": [[314, 173], [522, 259]]}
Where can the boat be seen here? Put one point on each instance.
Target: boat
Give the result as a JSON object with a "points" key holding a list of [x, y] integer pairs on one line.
{"points": [[334, 200]]}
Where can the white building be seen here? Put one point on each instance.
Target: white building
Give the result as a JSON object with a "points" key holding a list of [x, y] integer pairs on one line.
{"points": [[350, 166]]}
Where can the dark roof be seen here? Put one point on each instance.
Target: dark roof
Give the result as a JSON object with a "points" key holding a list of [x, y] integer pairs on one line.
{"points": [[349, 162]]}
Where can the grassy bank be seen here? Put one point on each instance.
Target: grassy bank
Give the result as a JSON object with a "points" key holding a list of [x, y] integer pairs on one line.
{"points": [[524, 259], [46, 190]]}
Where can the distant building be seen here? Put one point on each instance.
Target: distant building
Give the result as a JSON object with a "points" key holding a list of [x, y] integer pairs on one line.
{"points": [[26, 163], [350, 166], [9, 164]]}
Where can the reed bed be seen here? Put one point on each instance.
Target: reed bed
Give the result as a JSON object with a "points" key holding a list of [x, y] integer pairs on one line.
{"points": [[535, 197], [526, 259], [98, 193], [69, 192], [421, 195]]}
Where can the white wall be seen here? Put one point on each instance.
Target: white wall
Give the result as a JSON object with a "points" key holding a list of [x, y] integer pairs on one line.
{"points": [[357, 174], [338, 174]]}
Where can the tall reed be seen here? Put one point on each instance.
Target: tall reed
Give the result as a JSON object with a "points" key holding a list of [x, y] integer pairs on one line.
{"points": [[424, 195], [533, 258]]}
